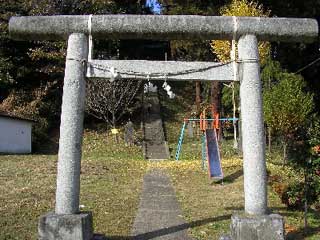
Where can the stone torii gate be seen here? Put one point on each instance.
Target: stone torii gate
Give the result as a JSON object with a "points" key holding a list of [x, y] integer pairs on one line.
{"points": [[67, 222]]}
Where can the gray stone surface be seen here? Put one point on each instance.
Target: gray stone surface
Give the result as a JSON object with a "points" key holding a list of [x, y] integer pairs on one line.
{"points": [[71, 127], [164, 27], [159, 215], [225, 237], [129, 133], [66, 227], [169, 70], [265, 227], [155, 145], [253, 141]]}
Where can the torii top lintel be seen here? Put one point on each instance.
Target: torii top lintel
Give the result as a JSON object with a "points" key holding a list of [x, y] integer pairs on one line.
{"points": [[163, 27]]}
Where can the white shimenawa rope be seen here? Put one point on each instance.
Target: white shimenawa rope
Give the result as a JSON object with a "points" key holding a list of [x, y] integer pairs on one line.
{"points": [[90, 53], [233, 48], [233, 56], [113, 73], [112, 70]]}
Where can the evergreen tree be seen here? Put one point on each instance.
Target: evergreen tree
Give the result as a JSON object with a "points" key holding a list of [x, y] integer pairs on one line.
{"points": [[287, 107]]}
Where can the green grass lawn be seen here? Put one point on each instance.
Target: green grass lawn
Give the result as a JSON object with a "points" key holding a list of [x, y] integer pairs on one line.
{"points": [[208, 205], [111, 180]]}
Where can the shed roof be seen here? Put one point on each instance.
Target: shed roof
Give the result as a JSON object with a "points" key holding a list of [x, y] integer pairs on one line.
{"points": [[14, 116]]}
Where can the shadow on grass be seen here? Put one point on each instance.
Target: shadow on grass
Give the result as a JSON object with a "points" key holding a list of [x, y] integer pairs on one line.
{"points": [[49, 148], [227, 138], [233, 176], [302, 233], [164, 231], [283, 211], [228, 179]]}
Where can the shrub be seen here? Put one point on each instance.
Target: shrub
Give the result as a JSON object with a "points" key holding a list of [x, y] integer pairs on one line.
{"points": [[294, 195]]}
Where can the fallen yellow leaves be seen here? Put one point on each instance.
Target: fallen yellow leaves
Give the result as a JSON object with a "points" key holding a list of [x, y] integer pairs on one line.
{"points": [[191, 165]]}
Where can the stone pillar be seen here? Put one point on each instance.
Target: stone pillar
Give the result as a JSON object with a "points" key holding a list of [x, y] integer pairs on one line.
{"points": [[71, 127], [254, 223], [253, 140], [67, 222]]}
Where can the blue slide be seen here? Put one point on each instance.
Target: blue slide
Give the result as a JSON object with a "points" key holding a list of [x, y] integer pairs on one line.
{"points": [[213, 155]]}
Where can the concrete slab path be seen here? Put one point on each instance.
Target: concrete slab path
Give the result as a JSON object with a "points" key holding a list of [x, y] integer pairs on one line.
{"points": [[159, 216]]}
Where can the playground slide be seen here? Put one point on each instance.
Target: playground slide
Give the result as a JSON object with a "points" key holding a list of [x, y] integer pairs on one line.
{"points": [[213, 155]]}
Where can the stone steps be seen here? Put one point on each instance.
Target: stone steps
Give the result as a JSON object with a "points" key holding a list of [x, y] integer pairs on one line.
{"points": [[155, 145]]}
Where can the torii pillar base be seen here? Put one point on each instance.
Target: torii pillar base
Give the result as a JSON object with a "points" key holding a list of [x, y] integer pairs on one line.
{"points": [[263, 227], [66, 226]]}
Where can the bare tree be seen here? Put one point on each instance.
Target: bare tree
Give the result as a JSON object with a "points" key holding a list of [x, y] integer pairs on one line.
{"points": [[108, 101], [198, 97]]}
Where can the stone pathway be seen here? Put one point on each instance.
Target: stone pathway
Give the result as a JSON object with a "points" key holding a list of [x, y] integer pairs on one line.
{"points": [[155, 145], [159, 216]]}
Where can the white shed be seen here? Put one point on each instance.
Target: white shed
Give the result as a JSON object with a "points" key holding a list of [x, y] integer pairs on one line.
{"points": [[15, 134]]}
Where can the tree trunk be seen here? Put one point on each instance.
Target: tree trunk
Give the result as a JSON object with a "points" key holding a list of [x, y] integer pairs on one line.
{"points": [[115, 136], [216, 96], [269, 139], [113, 107], [235, 141], [198, 97], [216, 102], [240, 133], [269, 128], [306, 185], [284, 143]]}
